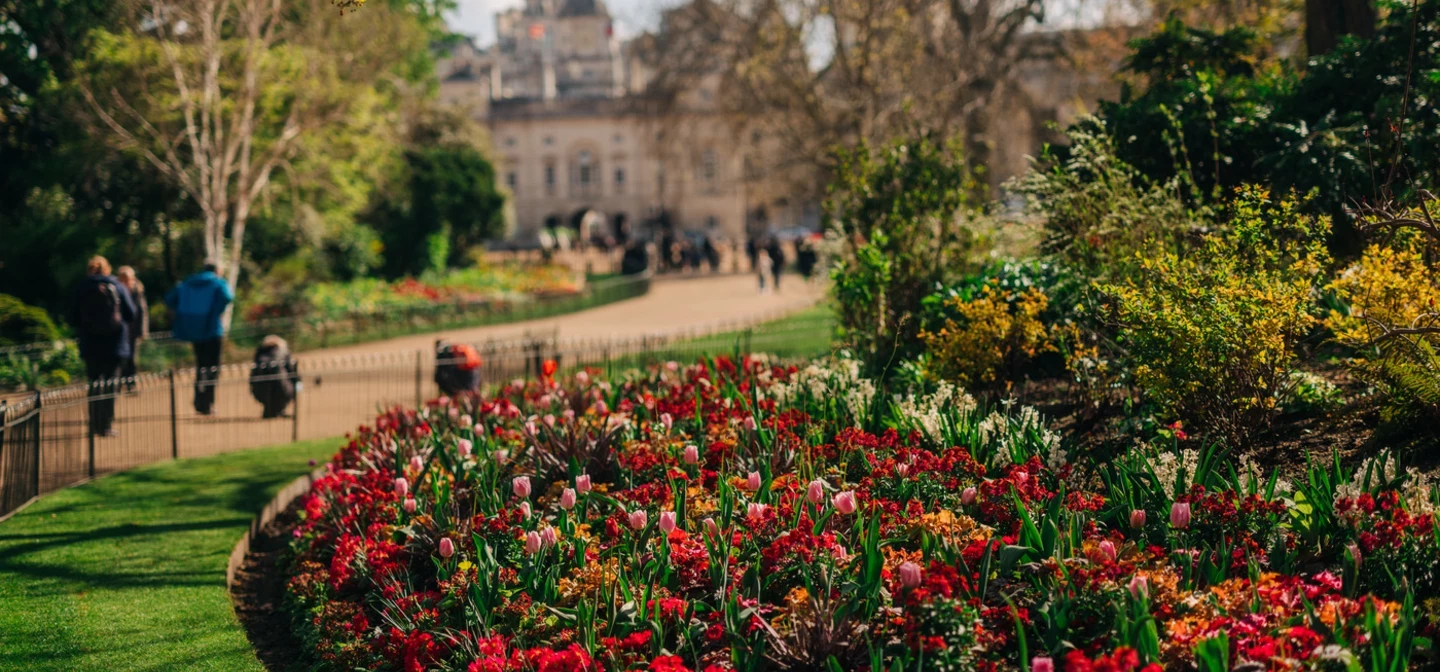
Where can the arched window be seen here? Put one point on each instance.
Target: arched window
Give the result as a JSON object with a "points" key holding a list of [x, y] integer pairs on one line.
{"points": [[585, 169], [709, 165]]}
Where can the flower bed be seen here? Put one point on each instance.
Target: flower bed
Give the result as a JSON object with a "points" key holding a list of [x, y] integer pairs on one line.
{"points": [[508, 282], [745, 515]]}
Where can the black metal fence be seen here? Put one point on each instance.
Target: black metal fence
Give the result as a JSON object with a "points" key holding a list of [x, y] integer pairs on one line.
{"points": [[59, 437]]}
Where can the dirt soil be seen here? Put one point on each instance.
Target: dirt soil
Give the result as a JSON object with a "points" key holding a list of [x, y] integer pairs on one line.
{"points": [[259, 593]]}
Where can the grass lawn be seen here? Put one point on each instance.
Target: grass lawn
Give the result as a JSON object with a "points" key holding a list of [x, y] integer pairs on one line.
{"points": [[128, 572], [806, 333]]}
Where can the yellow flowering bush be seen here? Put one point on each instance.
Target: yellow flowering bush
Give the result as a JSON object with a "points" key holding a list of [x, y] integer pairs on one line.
{"points": [[1211, 335], [1393, 321], [997, 331]]}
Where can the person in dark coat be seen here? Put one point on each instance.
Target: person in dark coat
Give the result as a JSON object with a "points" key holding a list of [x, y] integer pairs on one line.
{"points": [[777, 261], [457, 368], [274, 377], [139, 327], [102, 312]]}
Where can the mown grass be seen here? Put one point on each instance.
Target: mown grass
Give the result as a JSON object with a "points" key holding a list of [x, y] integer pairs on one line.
{"points": [[128, 572]]}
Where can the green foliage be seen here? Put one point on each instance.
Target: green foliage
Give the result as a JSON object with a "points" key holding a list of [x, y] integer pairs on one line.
{"points": [[1100, 214], [1356, 123], [444, 202], [1211, 334], [20, 323], [895, 211]]}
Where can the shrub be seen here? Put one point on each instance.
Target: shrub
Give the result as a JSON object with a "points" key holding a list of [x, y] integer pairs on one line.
{"points": [[1392, 320], [20, 323], [996, 333], [893, 212], [1211, 335]]}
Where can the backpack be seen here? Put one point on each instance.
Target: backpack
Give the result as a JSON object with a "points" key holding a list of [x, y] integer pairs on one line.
{"points": [[100, 310], [469, 359]]}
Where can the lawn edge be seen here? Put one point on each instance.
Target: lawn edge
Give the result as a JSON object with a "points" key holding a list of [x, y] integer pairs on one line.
{"points": [[272, 510]]}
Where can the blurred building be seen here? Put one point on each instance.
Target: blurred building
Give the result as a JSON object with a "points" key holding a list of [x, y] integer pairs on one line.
{"points": [[576, 141]]}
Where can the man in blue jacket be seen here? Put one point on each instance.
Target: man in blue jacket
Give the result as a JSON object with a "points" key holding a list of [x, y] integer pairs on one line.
{"points": [[101, 312], [196, 309]]}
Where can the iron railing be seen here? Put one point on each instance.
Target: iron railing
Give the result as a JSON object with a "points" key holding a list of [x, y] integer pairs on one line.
{"points": [[48, 440]]}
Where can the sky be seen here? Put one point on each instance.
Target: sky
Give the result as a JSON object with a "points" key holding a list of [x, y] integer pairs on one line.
{"points": [[477, 17]]}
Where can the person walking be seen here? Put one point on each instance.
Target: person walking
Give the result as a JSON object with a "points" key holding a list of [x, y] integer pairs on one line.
{"points": [[762, 266], [777, 261], [197, 306], [139, 327], [102, 312]]}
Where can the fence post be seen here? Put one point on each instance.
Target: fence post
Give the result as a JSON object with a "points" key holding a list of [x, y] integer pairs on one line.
{"points": [[90, 428], [295, 413], [174, 421], [419, 392], [35, 477]]}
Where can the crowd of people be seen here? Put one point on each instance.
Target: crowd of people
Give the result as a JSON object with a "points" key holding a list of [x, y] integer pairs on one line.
{"points": [[112, 318]]}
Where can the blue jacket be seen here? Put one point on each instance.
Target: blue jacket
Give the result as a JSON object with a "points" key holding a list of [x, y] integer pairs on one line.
{"points": [[116, 344], [196, 306]]}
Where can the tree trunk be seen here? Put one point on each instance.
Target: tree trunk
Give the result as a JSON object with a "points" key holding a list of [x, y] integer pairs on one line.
{"points": [[1327, 20]]}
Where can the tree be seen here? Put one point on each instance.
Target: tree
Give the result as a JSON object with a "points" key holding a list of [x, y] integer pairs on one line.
{"points": [[217, 95]]}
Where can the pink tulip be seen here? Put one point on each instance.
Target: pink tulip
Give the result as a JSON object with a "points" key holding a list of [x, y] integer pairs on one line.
{"points": [[667, 421], [750, 423], [755, 512], [582, 378], [968, 495], [1021, 476], [638, 520], [409, 505], [1137, 518], [479, 429], [815, 494], [601, 408], [752, 482], [845, 502], [672, 366], [1354, 552], [402, 486], [416, 464], [544, 400], [466, 420], [910, 574], [530, 427], [582, 483], [1042, 664], [1139, 587], [549, 420], [902, 470], [532, 542], [501, 456], [1107, 548], [1180, 515], [521, 486], [711, 528], [447, 548], [525, 509], [667, 521], [567, 499], [453, 412], [692, 454], [464, 446], [569, 414], [549, 537]]}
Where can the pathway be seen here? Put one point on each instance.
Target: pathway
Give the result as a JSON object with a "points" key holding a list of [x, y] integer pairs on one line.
{"points": [[345, 385]]}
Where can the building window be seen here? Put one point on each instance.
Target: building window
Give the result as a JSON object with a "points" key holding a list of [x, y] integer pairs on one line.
{"points": [[619, 180], [510, 141], [584, 169], [712, 223], [709, 165], [550, 178], [619, 138], [511, 180], [549, 140]]}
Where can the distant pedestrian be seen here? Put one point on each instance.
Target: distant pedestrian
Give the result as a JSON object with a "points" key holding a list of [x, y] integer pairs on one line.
{"points": [[197, 308], [762, 266], [777, 261], [102, 312], [139, 327], [274, 377], [457, 368]]}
